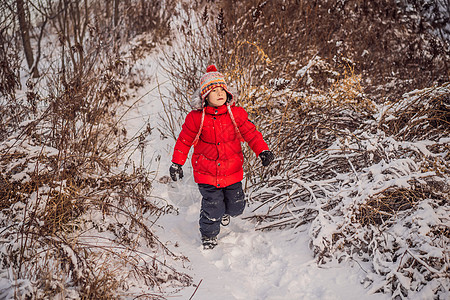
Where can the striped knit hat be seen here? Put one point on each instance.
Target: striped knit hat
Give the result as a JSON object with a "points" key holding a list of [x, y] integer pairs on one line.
{"points": [[210, 80]]}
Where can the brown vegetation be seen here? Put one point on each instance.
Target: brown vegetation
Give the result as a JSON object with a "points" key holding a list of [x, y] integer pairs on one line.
{"points": [[353, 97], [61, 188]]}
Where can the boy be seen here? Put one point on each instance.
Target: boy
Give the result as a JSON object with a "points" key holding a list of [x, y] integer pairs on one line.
{"points": [[216, 132]]}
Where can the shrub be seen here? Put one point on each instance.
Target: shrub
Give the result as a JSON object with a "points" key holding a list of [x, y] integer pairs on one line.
{"points": [[74, 224], [361, 161]]}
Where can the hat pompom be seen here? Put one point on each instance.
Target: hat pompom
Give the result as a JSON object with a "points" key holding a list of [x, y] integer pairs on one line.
{"points": [[211, 68]]}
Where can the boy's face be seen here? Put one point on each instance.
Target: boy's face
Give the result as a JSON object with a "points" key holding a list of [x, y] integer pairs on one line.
{"points": [[217, 97]]}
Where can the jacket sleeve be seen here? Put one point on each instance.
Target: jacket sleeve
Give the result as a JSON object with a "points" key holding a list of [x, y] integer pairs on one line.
{"points": [[186, 138], [249, 132]]}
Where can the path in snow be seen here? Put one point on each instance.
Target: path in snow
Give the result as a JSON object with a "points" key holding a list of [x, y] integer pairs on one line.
{"points": [[247, 264]]}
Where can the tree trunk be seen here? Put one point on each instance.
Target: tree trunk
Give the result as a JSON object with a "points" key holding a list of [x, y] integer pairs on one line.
{"points": [[116, 12], [25, 33]]}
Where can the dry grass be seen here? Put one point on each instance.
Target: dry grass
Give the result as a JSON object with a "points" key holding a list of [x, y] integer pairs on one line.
{"points": [[357, 154], [388, 204], [72, 223], [426, 116]]}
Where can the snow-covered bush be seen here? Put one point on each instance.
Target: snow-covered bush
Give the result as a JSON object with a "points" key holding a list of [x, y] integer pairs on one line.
{"points": [[73, 223], [376, 194], [361, 168]]}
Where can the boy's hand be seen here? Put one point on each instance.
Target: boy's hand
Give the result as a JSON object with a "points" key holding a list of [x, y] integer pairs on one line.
{"points": [[266, 157], [174, 170]]}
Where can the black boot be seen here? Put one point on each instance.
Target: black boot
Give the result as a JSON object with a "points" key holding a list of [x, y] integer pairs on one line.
{"points": [[225, 220], [209, 242]]}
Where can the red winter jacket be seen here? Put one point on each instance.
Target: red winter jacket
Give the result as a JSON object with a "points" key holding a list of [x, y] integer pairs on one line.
{"points": [[217, 158]]}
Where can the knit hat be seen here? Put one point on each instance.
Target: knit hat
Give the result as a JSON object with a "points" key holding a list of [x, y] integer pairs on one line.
{"points": [[210, 80]]}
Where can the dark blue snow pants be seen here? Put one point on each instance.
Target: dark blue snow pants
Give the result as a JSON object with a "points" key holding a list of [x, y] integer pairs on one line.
{"points": [[216, 202]]}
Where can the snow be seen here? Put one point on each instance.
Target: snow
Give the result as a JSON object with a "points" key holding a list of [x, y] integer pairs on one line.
{"points": [[247, 263], [250, 263]]}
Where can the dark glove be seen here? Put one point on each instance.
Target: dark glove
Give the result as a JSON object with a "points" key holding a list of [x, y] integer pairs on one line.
{"points": [[266, 157], [174, 170]]}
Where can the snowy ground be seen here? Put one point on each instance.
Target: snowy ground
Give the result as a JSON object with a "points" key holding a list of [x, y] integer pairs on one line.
{"points": [[250, 264], [247, 264]]}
